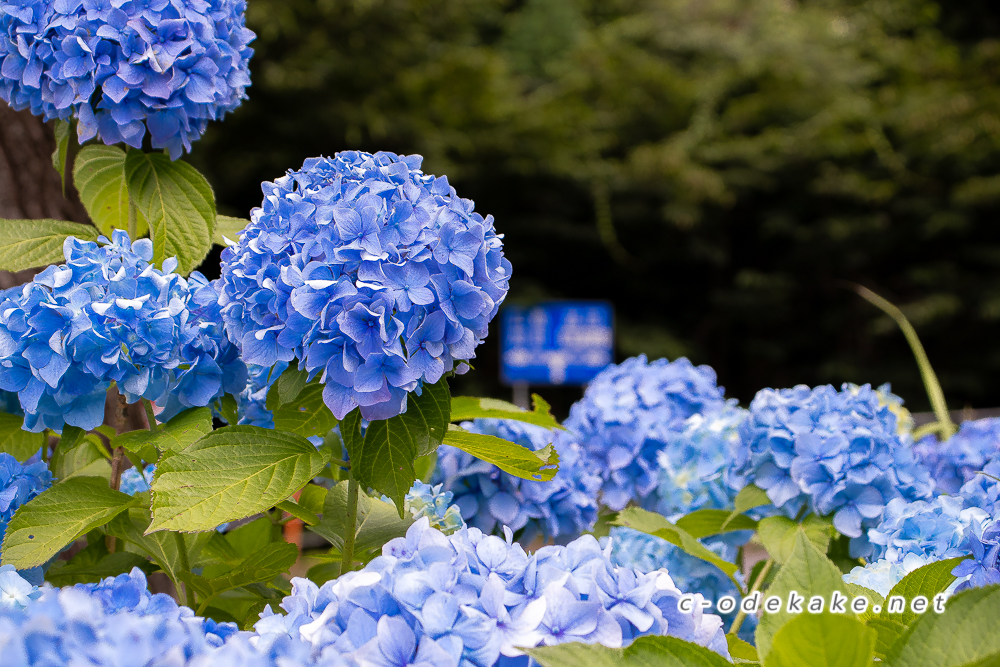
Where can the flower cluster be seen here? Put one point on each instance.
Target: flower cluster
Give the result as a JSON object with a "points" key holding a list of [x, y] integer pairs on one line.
{"points": [[839, 452], [628, 415], [489, 498], [983, 569], [367, 270], [109, 315], [122, 68], [115, 622], [134, 482], [251, 403], [15, 591], [19, 484], [472, 599], [983, 489], [424, 500], [936, 529], [957, 460]]}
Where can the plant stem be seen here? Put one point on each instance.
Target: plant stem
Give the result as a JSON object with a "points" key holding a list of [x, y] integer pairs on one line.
{"points": [[133, 222], [738, 621], [337, 463], [931, 383], [182, 556], [350, 525], [150, 414]]}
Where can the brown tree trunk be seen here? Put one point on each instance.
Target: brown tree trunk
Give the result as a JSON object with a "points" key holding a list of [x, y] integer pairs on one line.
{"points": [[29, 185]]}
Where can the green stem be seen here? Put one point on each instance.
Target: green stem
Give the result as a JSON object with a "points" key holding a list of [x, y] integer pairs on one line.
{"points": [[337, 463], [133, 222], [738, 621], [182, 556], [931, 383], [150, 414], [350, 526]]}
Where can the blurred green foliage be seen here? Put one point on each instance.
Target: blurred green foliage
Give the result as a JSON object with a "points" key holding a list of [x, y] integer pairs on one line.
{"points": [[716, 168]]}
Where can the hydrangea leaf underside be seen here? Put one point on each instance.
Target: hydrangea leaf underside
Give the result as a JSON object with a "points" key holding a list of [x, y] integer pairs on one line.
{"points": [[58, 516], [61, 131], [178, 203], [655, 524], [232, 473], [824, 639], [650, 650], [928, 581], [704, 522], [26, 244], [183, 430], [965, 634], [227, 227], [16, 441], [779, 535], [377, 521], [467, 408], [809, 572], [99, 177], [538, 466]]}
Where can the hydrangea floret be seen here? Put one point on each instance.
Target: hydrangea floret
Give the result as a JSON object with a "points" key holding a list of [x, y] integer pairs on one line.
{"points": [[983, 489], [433, 502], [627, 416], [367, 271], [838, 453], [561, 509], [108, 315], [125, 68], [134, 482], [936, 528], [19, 483], [956, 461]]}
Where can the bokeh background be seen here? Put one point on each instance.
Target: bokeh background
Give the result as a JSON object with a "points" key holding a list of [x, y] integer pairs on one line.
{"points": [[720, 170]]}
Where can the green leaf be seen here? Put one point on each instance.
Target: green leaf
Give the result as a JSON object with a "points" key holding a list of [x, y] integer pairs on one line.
{"points": [[287, 387], [377, 522], [261, 566], [467, 408], [306, 414], [822, 640], [59, 515], [161, 548], [299, 512], [185, 429], [702, 523], [538, 466], [26, 244], [17, 442], [655, 524], [83, 570], [384, 461], [231, 473], [312, 498], [966, 633], [875, 599], [99, 176], [178, 203], [228, 228], [808, 572], [424, 467], [887, 633], [648, 651], [928, 580], [79, 454], [778, 534], [62, 130], [741, 651], [427, 416], [747, 499]]}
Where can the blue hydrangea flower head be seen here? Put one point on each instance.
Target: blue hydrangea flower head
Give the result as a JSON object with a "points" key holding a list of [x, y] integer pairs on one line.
{"points": [[839, 453], [424, 500], [983, 488], [15, 592], [490, 499], [956, 461], [882, 574], [134, 482], [108, 315], [251, 403], [19, 484], [125, 68], [983, 569], [369, 272], [627, 414], [936, 528]]}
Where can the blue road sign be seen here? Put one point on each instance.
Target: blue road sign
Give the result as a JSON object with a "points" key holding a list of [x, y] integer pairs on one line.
{"points": [[564, 342]]}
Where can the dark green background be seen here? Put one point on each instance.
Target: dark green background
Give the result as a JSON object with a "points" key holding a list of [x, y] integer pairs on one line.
{"points": [[718, 169]]}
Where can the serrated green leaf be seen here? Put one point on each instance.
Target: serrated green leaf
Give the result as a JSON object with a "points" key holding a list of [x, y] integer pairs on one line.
{"points": [[778, 534], [178, 203], [313, 497], [83, 571], [59, 515], [27, 244], [185, 429], [874, 599], [822, 640], [306, 414], [79, 454], [808, 572], [928, 580], [161, 548], [648, 651], [227, 227], [377, 522], [741, 651], [259, 567], [287, 387], [17, 442], [655, 524], [427, 416], [467, 408], [748, 498], [966, 633], [424, 467], [538, 466], [247, 538], [887, 632], [229, 409], [705, 522], [99, 176], [231, 473], [62, 132], [299, 512]]}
